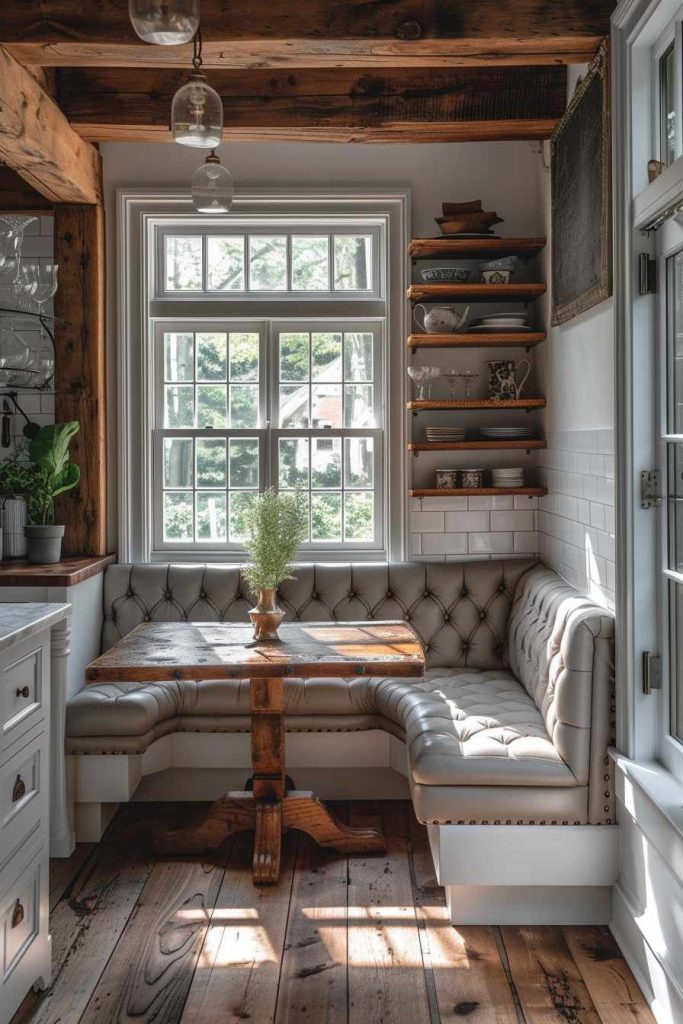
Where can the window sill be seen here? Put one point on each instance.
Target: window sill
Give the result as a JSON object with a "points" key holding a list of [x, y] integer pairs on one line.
{"points": [[654, 799]]}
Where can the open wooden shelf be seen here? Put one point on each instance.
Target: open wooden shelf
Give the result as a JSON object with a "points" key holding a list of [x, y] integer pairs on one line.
{"points": [[526, 339], [475, 292], [474, 248], [475, 446], [464, 492], [476, 403]]}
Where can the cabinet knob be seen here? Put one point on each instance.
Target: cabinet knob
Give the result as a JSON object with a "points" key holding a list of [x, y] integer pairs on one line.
{"points": [[19, 789], [23, 691], [17, 914]]}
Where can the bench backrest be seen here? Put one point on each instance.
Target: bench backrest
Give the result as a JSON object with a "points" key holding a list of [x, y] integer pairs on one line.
{"points": [[460, 611]]}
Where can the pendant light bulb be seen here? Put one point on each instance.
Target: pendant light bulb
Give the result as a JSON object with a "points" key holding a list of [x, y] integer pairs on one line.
{"points": [[212, 187], [164, 22]]}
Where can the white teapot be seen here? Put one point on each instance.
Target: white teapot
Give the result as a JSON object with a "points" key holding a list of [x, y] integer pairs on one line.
{"points": [[440, 319]]}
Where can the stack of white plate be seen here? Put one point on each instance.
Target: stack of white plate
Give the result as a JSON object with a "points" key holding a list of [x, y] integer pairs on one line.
{"points": [[501, 322], [506, 433], [444, 434], [513, 477]]}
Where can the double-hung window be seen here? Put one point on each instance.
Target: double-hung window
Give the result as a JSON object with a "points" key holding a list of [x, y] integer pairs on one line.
{"points": [[264, 362], [294, 404]]}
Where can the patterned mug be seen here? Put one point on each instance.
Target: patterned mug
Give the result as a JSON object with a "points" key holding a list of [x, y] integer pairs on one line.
{"points": [[503, 378]]}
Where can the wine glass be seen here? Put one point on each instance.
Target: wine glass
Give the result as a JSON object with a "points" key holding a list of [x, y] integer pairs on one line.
{"points": [[422, 377], [46, 282], [12, 227], [41, 364], [469, 379], [14, 358], [10, 251]]}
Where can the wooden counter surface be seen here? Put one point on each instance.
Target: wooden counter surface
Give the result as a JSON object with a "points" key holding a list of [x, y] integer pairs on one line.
{"points": [[68, 572]]}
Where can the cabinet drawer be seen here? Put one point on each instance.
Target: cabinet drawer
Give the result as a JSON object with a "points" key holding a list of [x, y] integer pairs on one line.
{"points": [[24, 687], [23, 795], [23, 915]]}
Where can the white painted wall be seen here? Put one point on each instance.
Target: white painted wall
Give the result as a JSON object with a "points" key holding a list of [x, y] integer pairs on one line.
{"points": [[502, 174], [575, 370]]}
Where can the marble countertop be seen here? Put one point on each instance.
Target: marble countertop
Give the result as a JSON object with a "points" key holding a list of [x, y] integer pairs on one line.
{"points": [[18, 621]]}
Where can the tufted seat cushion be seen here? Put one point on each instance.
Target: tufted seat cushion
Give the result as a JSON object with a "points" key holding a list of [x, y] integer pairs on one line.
{"points": [[127, 716], [472, 728]]}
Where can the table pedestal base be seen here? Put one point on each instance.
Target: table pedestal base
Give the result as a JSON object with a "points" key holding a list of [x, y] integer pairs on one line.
{"points": [[241, 811]]}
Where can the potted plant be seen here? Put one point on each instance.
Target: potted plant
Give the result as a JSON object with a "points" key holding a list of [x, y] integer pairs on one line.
{"points": [[277, 525], [39, 475]]}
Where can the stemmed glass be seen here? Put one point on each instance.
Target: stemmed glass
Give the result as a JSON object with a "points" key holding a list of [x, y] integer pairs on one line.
{"points": [[37, 281], [422, 377], [468, 377], [14, 358], [12, 227]]}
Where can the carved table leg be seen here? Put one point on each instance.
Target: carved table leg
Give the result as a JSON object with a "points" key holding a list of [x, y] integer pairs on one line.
{"points": [[267, 843], [306, 812], [234, 812]]}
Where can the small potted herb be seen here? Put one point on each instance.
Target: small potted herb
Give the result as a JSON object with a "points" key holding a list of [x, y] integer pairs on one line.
{"points": [[39, 475], [277, 525]]}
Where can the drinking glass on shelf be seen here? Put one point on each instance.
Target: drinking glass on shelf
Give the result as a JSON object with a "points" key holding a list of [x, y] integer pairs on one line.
{"points": [[422, 377], [469, 380], [454, 378]]}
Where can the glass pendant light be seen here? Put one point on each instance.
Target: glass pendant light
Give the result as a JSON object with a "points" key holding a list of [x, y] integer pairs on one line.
{"points": [[212, 186], [164, 22], [197, 109]]}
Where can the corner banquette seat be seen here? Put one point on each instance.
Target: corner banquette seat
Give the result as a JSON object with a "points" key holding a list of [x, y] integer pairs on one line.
{"points": [[510, 725]]}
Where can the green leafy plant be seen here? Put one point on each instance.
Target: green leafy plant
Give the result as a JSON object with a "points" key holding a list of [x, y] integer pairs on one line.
{"points": [[277, 525], [42, 471]]}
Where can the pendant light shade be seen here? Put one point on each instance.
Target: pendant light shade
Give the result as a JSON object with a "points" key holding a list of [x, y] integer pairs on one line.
{"points": [[164, 22], [212, 187], [197, 109], [197, 114]]}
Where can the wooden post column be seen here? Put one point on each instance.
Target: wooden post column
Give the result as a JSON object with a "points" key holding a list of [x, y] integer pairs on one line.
{"points": [[80, 371]]}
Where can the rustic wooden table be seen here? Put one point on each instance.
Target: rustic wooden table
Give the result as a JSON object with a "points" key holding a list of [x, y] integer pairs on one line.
{"points": [[158, 651]]}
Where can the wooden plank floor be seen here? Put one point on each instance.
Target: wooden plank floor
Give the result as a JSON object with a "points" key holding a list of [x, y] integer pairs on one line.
{"points": [[358, 940]]}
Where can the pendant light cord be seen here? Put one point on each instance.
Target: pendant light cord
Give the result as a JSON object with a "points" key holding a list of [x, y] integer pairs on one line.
{"points": [[197, 49]]}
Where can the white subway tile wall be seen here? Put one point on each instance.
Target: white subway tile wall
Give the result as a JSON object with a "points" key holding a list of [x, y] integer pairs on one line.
{"points": [[576, 518], [472, 529], [38, 246]]}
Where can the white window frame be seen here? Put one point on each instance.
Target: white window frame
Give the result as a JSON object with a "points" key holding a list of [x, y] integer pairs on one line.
{"points": [[141, 214], [281, 226], [642, 29]]}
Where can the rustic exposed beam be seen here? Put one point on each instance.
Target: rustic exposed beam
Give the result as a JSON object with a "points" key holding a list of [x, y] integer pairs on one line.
{"points": [[318, 33], [17, 196], [80, 371], [37, 141], [459, 104]]}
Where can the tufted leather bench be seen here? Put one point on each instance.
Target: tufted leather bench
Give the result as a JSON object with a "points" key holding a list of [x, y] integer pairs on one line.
{"points": [[510, 726]]}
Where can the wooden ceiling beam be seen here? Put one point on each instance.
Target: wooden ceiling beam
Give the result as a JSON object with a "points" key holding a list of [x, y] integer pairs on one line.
{"points": [[318, 33], [397, 105], [17, 196], [37, 141]]}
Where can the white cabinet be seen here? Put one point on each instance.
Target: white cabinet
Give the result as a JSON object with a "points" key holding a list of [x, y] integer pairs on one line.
{"points": [[29, 635]]}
